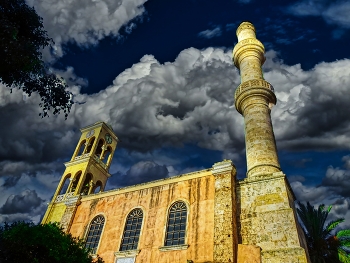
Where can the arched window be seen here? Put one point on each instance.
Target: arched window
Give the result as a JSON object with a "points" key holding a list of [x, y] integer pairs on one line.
{"points": [[91, 143], [98, 187], [94, 234], [75, 181], [176, 227], [132, 230], [99, 148], [86, 185], [106, 155], [65, 185], [81, 148]]}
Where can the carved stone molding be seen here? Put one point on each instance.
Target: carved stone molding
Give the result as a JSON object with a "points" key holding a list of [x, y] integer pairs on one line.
{"points": [[127, 253], [171, 248]]}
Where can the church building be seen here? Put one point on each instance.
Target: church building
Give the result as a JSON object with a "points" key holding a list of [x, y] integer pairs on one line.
{"points": [[206, 216]]}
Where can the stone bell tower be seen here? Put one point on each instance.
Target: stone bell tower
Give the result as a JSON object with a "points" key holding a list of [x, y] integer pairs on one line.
{"points": [[86, 173], [266, 201]]}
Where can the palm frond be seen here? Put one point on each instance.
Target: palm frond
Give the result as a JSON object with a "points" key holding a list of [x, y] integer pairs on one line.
{"points": [[333, 224], [345, 244], [343, 256], [329, 208], [343, 233]]}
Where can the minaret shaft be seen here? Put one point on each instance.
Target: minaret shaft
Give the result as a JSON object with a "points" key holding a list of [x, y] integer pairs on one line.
{"points": [[267, 217], [253, 99]]}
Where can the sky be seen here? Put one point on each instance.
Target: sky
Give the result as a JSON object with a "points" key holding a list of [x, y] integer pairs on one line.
{"points": [[161, 73]]}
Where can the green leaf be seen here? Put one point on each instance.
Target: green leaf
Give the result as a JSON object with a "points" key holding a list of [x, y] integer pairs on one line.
{"points": [[333, 224], [343, 233]]}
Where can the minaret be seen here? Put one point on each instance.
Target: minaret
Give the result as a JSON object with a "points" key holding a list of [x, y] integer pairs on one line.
{"points": [[86, 173], [267, 215], [254, 99]]}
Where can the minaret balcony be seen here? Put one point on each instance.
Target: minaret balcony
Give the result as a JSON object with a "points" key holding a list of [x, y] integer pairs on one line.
{"points": [[254, 87]]}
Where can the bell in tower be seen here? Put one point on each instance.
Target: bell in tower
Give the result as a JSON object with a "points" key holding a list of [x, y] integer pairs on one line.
{"points": [[86, 173]]}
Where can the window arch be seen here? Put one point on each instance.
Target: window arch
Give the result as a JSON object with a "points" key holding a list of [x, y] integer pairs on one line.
{"points": [[132, 230], [176, 226], [99, 148], [65, 184], [106, 155], [94, 233], [86, 185], [81, 148], [75, 181], [98, 187], [89, 146]]}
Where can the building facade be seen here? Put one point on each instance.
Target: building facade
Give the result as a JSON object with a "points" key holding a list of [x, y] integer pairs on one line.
{"points": [[204, 216]]}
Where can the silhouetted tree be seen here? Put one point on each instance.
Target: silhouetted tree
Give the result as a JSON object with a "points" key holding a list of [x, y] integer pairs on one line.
{"points": [[26, 242], [325, 245], [22, 38]]}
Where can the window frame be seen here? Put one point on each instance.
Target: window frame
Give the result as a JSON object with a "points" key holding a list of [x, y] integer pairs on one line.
{"points": [[124, 230], [177, 246], [101, 233]]}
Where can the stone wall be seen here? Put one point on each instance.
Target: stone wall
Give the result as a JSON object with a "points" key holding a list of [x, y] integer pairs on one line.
{"points": [[197, 191], [268, 220], [225, 225]]}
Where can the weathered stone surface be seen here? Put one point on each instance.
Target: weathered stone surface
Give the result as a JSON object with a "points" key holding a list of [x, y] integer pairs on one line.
{"points": [[266, 214], [267, 218], [225, 225], [249, 254], [197, 190]]}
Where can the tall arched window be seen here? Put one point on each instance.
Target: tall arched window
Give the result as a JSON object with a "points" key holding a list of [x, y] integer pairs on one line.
{"points": [[176, 227], [65, 185], [98, 187], [99, 148], [90, 144], [75, 181], [106, 155], [94, 234], [132, 230], [86, 185], [81, 148]]}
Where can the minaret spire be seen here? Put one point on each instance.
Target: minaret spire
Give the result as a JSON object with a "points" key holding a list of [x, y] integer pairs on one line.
{"points": [[267, 217], [253, 99]]}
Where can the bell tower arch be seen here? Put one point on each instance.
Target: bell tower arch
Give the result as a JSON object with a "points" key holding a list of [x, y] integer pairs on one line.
{"points": [[86, 173]]}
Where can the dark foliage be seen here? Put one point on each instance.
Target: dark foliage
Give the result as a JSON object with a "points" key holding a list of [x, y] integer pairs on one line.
{"points": [[26, 242], [22, 37], [325, 245]]}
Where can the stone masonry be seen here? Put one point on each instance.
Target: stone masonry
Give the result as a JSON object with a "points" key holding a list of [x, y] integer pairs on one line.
{"points": [[225, 226], [267, 217]]}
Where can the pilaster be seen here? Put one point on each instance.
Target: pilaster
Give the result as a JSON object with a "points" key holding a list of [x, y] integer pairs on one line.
{"points": [[225, 225]]}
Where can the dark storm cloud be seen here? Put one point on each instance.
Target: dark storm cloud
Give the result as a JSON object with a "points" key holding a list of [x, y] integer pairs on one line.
{"points": [[334, 186], [338, 181], [312, 106], [141, 172], [333, 12], [188, 101], [13, 171], [86, 22], [22, 203]]}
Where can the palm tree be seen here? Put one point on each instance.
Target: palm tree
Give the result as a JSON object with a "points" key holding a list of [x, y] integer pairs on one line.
{"points": [[325, 245]]}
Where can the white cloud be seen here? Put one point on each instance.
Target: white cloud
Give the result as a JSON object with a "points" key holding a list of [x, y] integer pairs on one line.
{"points": [[336, 12], [152, 105], [85, 22], [210, 33]]}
